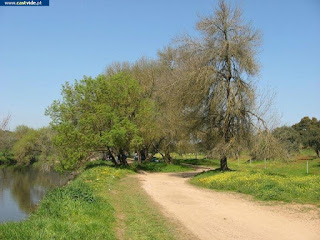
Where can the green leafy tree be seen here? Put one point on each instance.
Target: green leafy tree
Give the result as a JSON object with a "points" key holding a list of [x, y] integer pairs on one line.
{"points": [[6, 143], [47, 151], [309, 131], [289, 137], [98, 115], [146, 72], [20, 131], [26, 149]]}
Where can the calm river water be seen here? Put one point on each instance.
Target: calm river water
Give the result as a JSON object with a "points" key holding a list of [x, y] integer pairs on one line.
{"points": [[22, 189]]}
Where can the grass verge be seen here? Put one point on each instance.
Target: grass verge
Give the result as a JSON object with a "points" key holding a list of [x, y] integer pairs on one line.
{"points": [[138, 218], [76, 211], [286, 184], [160, 167], [93, 206]]}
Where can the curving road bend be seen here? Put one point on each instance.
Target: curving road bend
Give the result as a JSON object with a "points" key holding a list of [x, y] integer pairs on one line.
{"points": [[219, 215]]}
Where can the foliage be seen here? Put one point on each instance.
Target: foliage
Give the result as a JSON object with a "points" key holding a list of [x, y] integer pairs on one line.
{"points": [[266, 146], [211, 77], [25, 148], [85, 209], [6, 144], [101, 114], [21, 131], [309, 131], [289, 137], [33, 145], [6, 157], [159, 125]]}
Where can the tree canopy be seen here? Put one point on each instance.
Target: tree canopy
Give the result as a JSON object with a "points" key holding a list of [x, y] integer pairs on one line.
{"points": [[211, 77], [309, 131], [101, 114]]}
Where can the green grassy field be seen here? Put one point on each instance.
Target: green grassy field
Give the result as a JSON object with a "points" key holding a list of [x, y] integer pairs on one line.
{"points": [[160, 167], [192, 158], [275, 180], [97, 205]]}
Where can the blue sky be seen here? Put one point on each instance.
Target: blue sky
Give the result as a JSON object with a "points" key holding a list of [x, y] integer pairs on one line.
{"points": [[42, 47]]}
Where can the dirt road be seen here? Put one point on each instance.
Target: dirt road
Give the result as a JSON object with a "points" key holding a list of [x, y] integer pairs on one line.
{"points": [[218, 215]]}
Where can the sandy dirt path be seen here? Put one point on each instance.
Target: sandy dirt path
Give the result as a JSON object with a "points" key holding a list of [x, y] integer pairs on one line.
{"points": [[219, 215]]}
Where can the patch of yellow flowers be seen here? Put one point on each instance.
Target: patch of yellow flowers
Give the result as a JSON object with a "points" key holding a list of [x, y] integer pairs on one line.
{"points": [[264, 185]]}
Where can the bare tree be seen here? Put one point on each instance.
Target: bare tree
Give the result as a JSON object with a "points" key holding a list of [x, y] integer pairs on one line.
{"points": [[4, 122], [212, 78], [266, 146]]}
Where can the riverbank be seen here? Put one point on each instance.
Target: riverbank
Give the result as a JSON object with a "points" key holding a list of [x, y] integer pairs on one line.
{"points": [[99, 204]]}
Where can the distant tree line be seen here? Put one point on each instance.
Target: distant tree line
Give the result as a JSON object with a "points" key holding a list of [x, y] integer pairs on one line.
{"points": [[25, 145], [304, 134], [285, 141]]}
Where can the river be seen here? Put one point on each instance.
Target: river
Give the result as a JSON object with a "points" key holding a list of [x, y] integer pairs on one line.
{"points": [[21, 190]]}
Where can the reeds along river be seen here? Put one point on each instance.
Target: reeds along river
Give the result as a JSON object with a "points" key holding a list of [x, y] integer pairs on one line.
{"points": [[21, 190]]}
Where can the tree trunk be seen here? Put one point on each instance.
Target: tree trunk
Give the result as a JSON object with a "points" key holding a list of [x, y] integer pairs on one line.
{"points": [[146, 154], [114, 161], [154, 150], [122, 158], [224, 164], [318, 153], [151, 156], [139, 157], [143, 156], [167, 157]]}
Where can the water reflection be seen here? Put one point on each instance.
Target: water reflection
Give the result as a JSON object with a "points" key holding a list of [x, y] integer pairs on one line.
{"points": [[22, 189]]}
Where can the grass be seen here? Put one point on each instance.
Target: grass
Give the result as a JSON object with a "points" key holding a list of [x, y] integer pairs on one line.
{"points": [[265, 185], [160, 167], [76, 211], [138, 217], [93, 206], [279, 181], [107, 203], [201, 161]]}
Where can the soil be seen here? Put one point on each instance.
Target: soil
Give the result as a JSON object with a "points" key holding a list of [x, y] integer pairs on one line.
{"points": [[210, 214]]}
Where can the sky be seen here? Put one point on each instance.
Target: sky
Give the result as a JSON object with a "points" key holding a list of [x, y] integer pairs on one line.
{"points": [[43, 47]]}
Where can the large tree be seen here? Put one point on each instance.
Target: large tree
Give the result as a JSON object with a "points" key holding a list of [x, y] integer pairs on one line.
{"points": [[98, 115], [211, 77], [309, 131], [158, 127], [33, 145], [289, 137]]}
